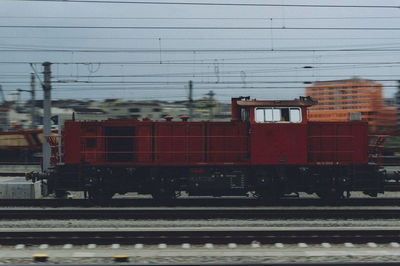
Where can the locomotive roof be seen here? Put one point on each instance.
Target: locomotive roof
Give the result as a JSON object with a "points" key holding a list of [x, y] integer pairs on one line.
{"points": [[295, 103]]}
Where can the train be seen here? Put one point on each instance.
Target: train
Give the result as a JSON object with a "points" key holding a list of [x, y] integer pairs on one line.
{"points": [[269, 149], [24, 146]]}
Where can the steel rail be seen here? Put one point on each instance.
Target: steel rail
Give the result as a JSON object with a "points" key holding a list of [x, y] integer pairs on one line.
{"points": [[198, 202], [198, 235], [357, 263], [174, 213]]}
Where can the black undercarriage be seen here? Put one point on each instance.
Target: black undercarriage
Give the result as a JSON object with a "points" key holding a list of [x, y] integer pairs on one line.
{"points": [[267, 182]]}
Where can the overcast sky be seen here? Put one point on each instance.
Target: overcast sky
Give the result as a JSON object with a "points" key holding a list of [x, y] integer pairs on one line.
{"points": [[150, 51]]}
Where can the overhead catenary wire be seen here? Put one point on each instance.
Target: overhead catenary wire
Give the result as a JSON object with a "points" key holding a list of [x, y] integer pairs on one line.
{"points": [[224, 74], [184, 82], [285, 28], [221, 60], [194, 38], [257, 68], [235, 73], [355, 46], [106, 87], [277, 65], [213, 4], [205, 63], [89, 88], [197, 18], [201, 75], [245, 50]]}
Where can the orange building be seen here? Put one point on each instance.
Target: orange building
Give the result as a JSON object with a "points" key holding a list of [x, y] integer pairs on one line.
{"points": [[342, 100]]}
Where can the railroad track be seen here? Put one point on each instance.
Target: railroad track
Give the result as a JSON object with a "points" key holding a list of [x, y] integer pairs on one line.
{"points": [[360, 263], [197, 202], [174, 213], [198, 235]]}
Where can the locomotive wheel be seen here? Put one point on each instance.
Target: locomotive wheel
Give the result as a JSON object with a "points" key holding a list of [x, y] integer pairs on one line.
{"points": [[163, 195], [61, 194], [332, 194], [270, 195], [100, 194]]}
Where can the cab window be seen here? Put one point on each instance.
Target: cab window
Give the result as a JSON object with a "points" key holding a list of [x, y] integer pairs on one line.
{"points": [[295, 115], [278, 115]]}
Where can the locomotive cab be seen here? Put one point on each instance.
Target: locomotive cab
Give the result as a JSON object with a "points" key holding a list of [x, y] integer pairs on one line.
{"points": [[278, 129], [288, 111]]}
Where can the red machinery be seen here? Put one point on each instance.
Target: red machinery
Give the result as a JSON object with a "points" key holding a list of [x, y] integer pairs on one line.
{"points": [[269, 148]]}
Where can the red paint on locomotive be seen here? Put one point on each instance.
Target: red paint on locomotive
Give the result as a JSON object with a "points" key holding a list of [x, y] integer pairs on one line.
{"points": [[269, 147]]}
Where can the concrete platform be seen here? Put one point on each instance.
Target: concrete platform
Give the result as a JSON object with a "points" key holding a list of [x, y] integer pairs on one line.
{"points": [[216, 254], [19, 188]]}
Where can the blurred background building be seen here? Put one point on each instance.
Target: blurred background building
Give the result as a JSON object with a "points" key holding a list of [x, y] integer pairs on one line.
{"points": [[352, 99], [337, 100], [17, 115]]}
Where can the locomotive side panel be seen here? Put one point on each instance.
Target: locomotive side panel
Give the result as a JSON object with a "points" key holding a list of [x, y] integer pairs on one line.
{"points": [[337, 143], [156, 143], [143, 143], [170, 142], [276, 143], [361, 141], [72, 143], [119, 142], [227, 142], [200, 142], [196, 142], [116, 142], [91, 143]]}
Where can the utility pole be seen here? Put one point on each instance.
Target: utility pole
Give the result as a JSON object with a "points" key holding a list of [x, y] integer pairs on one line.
{"points": [[4, 102], [397, 96], [2, 95], [46, 116], [190, 100], [32, 92], [33, 101]]}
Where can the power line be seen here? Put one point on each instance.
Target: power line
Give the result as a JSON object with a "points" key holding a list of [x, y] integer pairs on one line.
{"points": [[212, 4], [196, 38], [100, 88], [201, 86], [198, 27], [358, 46], [221, 60], [161, 88], [68, 87], [205, 63], [293, 67], [185, 82], [201, 75], [234, 73], [201, 18], [142, 50]]}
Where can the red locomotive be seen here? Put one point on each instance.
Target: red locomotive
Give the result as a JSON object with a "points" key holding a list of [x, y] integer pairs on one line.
{"points": [[269, 148]]}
